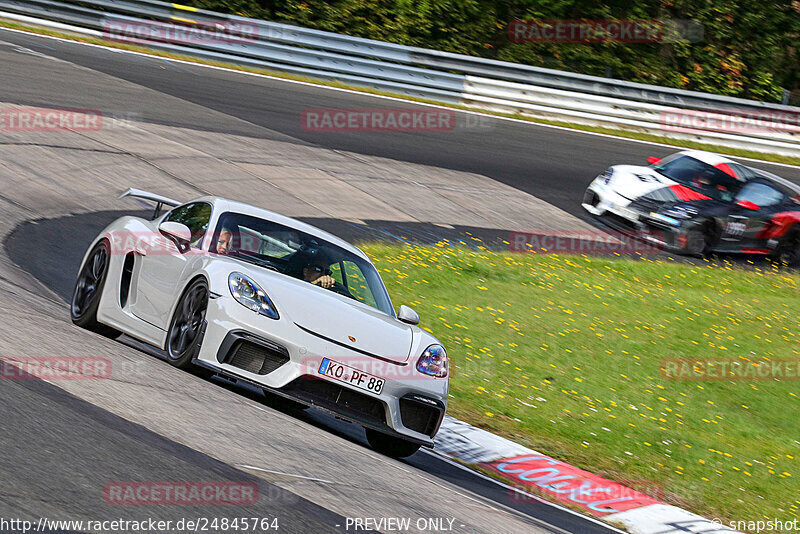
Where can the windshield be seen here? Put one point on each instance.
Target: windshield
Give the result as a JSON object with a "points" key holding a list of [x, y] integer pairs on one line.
{"points": [[699, 176], [300, 255]]}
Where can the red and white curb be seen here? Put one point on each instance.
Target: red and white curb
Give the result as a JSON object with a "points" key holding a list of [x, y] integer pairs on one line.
{"points": [[537, 476]]}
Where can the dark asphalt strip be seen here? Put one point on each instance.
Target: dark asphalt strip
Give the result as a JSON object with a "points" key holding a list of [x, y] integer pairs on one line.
{"points": [[60, 452], [555, 165]]}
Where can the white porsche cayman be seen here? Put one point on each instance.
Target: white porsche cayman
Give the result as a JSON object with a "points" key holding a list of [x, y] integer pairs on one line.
{"points": [[272, 301]]}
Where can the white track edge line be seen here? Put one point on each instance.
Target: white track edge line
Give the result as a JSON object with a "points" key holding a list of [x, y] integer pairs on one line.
{"points": [[244, 466]]}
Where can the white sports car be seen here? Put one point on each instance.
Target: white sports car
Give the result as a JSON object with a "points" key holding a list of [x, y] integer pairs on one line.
{"points": [[686, 175], [272, 301]]}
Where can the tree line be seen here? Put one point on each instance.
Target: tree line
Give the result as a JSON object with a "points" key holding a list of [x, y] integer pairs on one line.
{"points": [[742, 48]]}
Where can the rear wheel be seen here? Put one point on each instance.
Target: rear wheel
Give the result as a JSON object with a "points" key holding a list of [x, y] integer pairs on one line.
{"points": [[88, 290], [788, 252], [183, 336], [390, 445]]}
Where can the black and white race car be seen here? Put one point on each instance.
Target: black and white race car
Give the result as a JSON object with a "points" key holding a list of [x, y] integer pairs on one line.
{"points": [[680, 176], [762, 216]]}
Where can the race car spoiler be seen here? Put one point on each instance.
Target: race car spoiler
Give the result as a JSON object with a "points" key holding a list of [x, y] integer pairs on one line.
{"points": [[146, 195]]}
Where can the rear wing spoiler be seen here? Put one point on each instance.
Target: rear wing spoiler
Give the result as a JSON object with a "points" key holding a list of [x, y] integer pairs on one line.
{"points": [[145, 195]]}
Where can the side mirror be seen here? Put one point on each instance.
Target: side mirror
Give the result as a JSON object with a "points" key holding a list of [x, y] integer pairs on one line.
{"points": [[652, 160], [407, 315], [177, 231], [748, 205]]}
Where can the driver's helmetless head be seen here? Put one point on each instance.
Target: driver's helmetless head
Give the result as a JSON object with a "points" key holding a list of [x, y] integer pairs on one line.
{"points": [[312, 272], [224, 241]]}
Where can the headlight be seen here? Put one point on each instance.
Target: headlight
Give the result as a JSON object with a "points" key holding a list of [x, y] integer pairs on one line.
{"points": [[433, 362], [249, 294]]}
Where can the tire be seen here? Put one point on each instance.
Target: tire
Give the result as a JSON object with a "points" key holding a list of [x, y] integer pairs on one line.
{"points": [[788, 252], [701, 241], [183, 335], [88, 290], [390, 445]]}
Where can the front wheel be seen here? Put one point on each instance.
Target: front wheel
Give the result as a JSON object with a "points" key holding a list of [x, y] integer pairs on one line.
{"points": [[183, 336], [700, 241], [88, 290], [390, 445]]}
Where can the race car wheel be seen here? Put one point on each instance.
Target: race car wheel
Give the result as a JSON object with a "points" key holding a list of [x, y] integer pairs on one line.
{"points": [[183, 335], [390, 445], [788, 252], [700, 241], [89, 288]]}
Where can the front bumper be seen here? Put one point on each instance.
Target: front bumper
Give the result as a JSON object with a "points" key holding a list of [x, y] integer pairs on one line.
{"points": [[280, 356], [601, 200]]}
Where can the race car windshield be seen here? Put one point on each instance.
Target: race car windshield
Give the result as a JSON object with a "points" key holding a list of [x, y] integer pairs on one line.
{"points": [[300, 255], [699, 176]]}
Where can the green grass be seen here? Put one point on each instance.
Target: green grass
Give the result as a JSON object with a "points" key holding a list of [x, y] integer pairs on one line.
{"points": [[563, 354], [629, 134]]}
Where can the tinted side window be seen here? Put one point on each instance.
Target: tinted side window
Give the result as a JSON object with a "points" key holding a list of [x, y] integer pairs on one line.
{"points": [[760, 194], [357, 283], [195, 216]]}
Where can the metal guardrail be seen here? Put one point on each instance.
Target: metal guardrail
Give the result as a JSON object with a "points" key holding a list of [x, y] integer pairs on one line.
{"points": [[453, 78]]}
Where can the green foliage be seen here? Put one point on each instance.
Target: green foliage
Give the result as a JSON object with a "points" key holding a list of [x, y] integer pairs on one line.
{"points": [[750, 49]]}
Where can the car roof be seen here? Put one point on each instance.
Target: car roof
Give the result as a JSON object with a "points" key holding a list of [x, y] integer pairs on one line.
{"points": [[225, 204], [707, 157], [716, 159]]}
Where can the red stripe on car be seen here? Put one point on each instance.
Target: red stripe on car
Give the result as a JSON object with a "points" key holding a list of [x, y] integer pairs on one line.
{"points": [[686, 193], [724, 167], [779, 224]]}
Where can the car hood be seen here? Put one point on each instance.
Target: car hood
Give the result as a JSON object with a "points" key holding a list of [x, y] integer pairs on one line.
{"points": [[633, 181], [337, 318]]}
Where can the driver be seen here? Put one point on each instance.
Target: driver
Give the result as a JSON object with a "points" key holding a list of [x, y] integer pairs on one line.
{"points": [[224, 241], [318, 275]]}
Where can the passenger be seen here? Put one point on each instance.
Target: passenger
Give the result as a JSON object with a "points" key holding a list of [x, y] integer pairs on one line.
{"points": [[224, 242]]}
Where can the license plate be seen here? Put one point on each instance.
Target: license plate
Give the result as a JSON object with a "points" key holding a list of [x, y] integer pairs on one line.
{"points": [[350, 375]]}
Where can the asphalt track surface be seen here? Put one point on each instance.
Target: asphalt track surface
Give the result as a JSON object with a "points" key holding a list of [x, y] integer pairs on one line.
{"points": [[58, 449], [552, 164]]}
